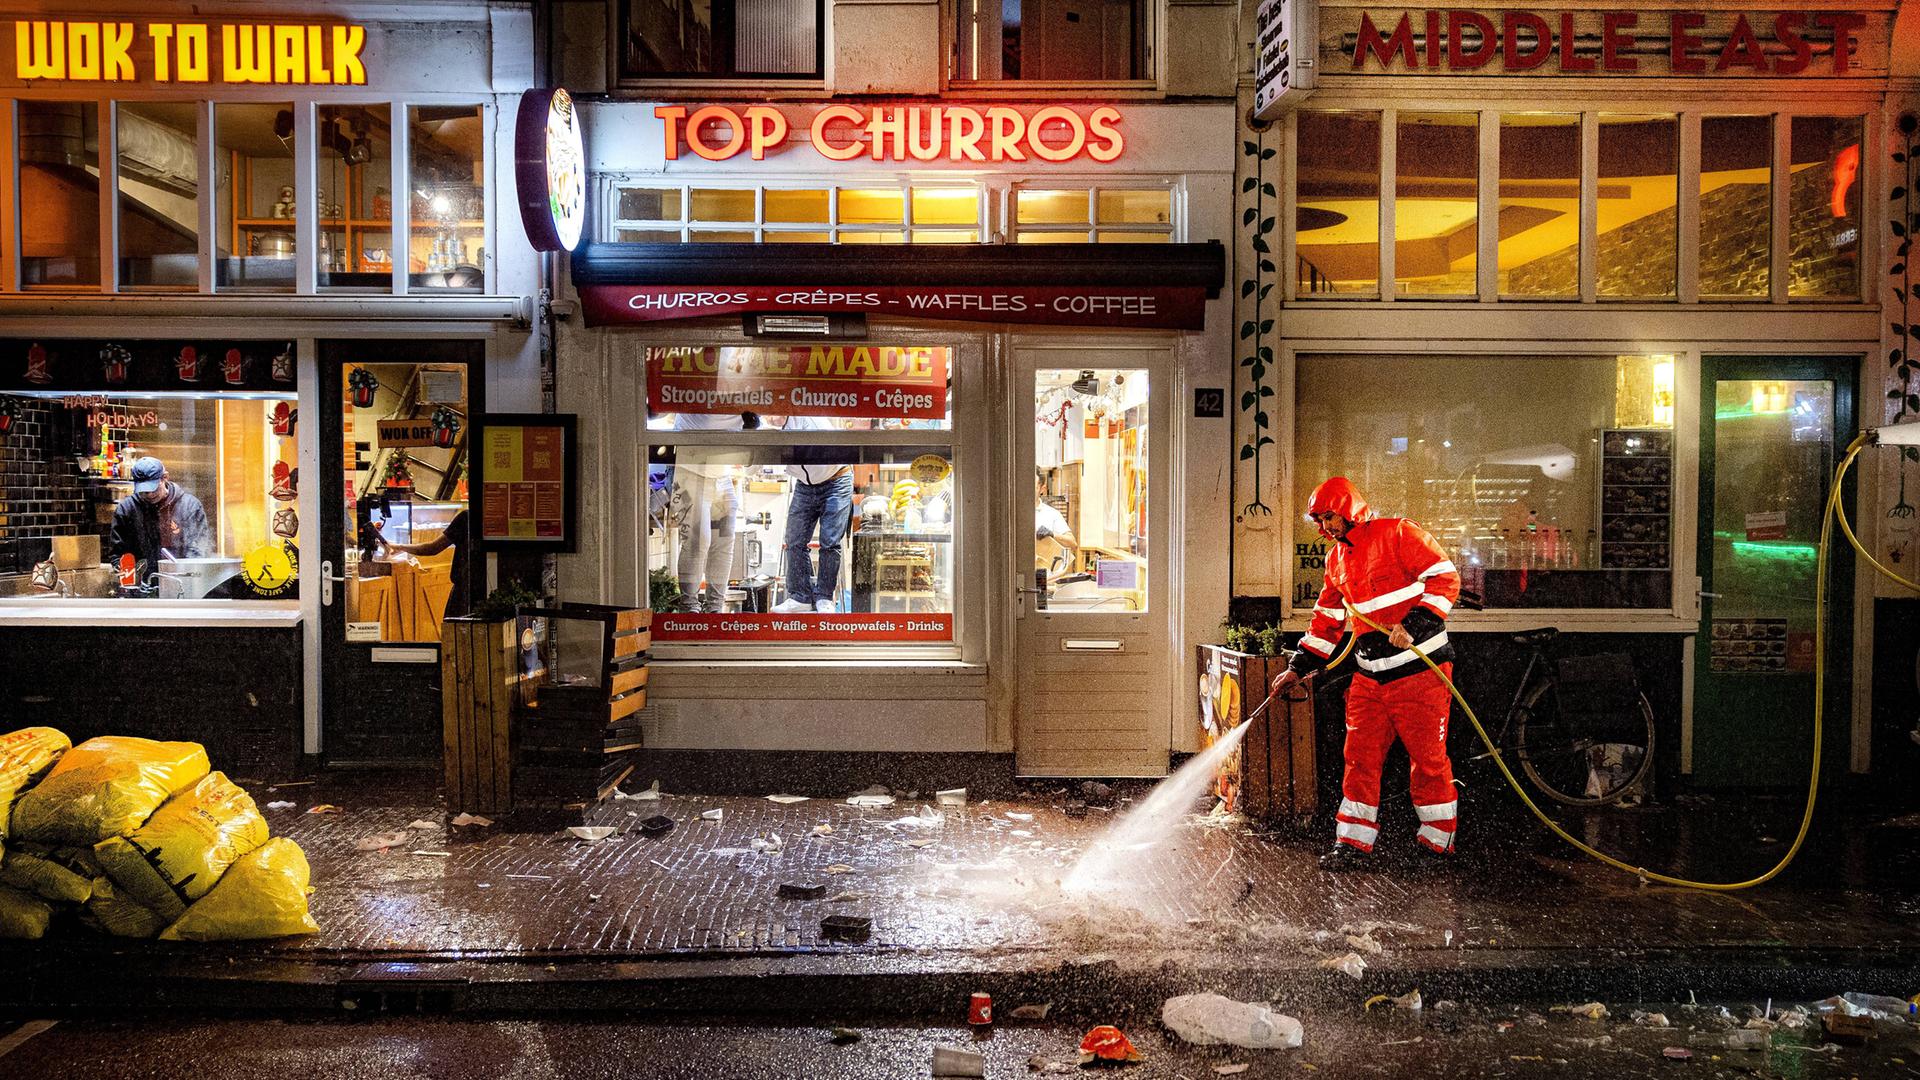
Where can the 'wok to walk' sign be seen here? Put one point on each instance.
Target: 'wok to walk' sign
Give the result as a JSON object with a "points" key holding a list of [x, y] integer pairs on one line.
{"points": [[882, 382]]}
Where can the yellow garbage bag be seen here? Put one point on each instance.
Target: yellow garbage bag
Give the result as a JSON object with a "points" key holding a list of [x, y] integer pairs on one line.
{"points": [[119, 914], [24, 756], [105, 787], [185, 846], [23, 915], [36, 872], [262, 895]]}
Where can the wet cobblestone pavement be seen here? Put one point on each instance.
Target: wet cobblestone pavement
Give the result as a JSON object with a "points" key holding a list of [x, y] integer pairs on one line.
{"points": [[983, 883]]}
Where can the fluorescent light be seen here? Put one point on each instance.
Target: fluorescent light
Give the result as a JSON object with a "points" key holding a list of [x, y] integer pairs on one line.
{"points": [[793, 324]]}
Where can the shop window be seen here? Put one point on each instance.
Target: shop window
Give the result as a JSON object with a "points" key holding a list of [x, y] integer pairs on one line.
{"points": [[1548, 480], [1053, 40], [1736, 207], [748, 39], [1337, 215], [447, 248], [410, 552], [929, 214], [59, 193], [1824, 207], [828, 518], [145, 469], [158, 163], [253, 153], [1539, 206], [1436, 191], [355, 158], [1090, 442], [1085, 215], [1637, 239]]}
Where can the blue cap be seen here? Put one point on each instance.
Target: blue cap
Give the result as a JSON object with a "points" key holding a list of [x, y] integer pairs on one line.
{"points": [[147, 474]]}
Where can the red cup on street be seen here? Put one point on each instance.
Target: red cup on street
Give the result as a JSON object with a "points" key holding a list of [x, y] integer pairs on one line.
{"points": [[980, 1008]]}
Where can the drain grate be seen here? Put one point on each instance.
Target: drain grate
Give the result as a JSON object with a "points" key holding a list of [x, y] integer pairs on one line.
{"points": [[402, 987]]}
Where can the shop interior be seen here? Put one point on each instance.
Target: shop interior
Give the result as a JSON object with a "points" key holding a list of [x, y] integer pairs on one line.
{"points": [[1090, 462], [70, 464], [408, 543], [891, 509]]}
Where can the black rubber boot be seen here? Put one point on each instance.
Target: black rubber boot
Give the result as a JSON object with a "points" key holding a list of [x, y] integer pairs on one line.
{"points": [[1346, 857]]}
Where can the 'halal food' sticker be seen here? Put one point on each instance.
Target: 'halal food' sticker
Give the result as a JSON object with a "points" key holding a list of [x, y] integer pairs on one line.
{"points": [[268, 571]]}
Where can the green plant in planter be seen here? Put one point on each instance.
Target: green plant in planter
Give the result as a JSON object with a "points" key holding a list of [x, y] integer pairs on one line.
{"points": [[500, 603], [663, 589], [1267, 641], [1237, 638]]}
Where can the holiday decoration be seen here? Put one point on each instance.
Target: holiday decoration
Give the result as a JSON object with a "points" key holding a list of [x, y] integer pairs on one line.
{"points": [[114, 360], [286, 523], [399, 471], [364, 383], [37, 365], [234, 367], [286, 482], [46, 575], [9, 412], [285, 417], [283, 364], [446, 425], [187, 364]]}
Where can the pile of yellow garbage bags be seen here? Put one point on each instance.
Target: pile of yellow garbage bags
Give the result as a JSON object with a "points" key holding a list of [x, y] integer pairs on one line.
{"points": [[142, 840]]}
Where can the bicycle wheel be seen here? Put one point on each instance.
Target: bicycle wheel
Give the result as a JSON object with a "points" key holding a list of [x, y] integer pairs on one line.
{"points": [[1584, 760]]}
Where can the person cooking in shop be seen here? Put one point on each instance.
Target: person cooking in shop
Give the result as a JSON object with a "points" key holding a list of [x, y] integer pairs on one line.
{"points": [[460, 600], [1393, 572], [160, 520], [823, 501], [1049, 523]]}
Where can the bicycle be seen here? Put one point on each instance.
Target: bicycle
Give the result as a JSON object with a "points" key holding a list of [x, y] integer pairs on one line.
{"points": [[1580, 726]]}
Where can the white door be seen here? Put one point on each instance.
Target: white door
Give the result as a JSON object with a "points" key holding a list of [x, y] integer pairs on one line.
{"points": [[1094, 692]]}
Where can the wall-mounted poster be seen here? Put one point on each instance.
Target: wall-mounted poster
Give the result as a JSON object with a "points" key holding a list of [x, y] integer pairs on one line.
{"points": [[528, 492]]}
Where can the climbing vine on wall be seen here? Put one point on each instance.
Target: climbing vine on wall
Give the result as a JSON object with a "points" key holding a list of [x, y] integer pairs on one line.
{"points": [[1902, 401], [1255, 330]]}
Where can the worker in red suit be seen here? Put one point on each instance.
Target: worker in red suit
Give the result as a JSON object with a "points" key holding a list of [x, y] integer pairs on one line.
{"points": [[1393, 572]]}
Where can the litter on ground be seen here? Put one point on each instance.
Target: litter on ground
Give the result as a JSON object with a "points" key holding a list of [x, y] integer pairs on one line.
{"points": [[786, 799], [591, 833], [652, 794], [382, 841], [1213, 1020], [471, 819]]}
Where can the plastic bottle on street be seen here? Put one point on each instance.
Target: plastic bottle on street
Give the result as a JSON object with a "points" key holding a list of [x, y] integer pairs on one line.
{"points": [[1881, 1003]]}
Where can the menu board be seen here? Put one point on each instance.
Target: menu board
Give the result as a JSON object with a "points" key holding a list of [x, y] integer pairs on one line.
{"points": [[526, 481]]}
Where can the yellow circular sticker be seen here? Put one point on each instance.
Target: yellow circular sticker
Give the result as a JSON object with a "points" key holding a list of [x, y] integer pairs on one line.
{"points": [[931, 468], [267, 569]]}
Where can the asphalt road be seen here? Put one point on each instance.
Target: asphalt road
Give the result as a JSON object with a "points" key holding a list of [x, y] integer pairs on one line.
{"points": [[1463, 1042]]}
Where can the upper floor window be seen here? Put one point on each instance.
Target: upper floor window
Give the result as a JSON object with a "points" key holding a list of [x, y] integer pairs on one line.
{"points": [[1748, 192], [170, 165], [870, 213], [745, 39], [1053, 40]]}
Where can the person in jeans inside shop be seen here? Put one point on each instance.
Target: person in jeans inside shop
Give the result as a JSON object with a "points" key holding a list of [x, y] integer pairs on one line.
{"points": [[822, 500]]}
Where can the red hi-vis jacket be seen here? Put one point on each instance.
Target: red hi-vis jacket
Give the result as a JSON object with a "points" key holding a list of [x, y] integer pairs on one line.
{"points": [[1390, 570]]}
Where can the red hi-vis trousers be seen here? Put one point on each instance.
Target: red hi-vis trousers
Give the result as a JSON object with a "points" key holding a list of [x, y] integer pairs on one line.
{"points": [[1414, 709]]}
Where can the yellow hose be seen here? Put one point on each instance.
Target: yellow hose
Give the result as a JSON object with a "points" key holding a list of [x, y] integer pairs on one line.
{"points": [[1832, 513]]}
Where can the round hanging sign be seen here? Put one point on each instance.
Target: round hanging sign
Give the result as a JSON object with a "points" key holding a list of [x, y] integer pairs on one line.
{"points": [[550, 169]]}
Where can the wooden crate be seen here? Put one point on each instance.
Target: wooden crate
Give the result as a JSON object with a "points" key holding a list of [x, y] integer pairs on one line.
{"points": [[1271, 778], [479, 682]]}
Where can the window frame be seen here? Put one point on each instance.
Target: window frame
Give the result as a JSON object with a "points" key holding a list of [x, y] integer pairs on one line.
{"points": [[1173, 228], [612, 184], [1153, 83], [1689, 113], [1681, 616], [707, 82], [961, 444], [305, 157]]}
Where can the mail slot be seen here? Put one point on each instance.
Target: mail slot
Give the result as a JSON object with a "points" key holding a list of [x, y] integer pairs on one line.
{"points": [[1097, 645]]}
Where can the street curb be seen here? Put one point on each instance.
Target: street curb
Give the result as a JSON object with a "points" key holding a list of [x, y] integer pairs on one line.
{"points": [[906, 984]]}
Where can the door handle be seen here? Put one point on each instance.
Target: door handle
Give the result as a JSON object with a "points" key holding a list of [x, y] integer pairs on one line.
{"points": [[327, 578], [1706, 595], [1037, 589]]}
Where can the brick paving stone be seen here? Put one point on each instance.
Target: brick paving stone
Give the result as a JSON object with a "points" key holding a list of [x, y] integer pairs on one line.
{"points": [[976, 890]]}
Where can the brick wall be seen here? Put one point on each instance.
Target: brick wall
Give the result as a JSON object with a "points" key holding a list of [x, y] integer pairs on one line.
{"points": [[41, 495], [1638, 258]]}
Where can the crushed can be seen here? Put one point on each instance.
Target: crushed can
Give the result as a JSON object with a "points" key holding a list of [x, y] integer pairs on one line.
{"points": [[980, 1008]]}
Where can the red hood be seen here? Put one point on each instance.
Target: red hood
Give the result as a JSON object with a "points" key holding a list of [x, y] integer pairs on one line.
{"points": [[1338, 496]]}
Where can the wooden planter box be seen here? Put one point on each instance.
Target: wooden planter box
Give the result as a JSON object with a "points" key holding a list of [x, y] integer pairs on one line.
{"points": [[1272, 777], [480, 677]]}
